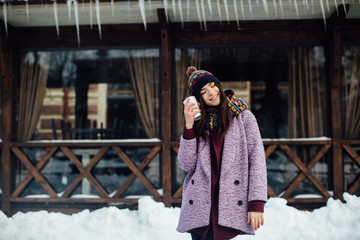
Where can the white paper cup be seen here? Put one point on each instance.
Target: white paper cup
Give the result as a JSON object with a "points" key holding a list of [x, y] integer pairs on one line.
{"points": [[197, 116]]}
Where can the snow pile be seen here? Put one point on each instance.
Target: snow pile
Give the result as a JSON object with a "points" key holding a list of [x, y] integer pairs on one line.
{"points": [[155, 222]]}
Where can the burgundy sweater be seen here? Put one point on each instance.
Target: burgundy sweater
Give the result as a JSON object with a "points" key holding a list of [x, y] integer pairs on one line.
{"points": [[220, 232]]}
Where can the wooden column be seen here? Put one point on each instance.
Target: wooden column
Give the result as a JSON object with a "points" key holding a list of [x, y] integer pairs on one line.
{"points": [[165, 107], [334, 24], [6, 64]]}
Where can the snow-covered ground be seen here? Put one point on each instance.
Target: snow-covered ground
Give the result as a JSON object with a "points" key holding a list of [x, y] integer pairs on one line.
{"points": [[153, 221]]}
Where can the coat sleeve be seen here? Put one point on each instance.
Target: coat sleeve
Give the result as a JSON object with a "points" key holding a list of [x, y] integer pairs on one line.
{"points": [[257, 161], [187, 154]]}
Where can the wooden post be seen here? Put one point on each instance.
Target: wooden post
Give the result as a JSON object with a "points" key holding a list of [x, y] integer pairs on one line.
{"points": [[165, 107], [6, 64], [335, 22]]}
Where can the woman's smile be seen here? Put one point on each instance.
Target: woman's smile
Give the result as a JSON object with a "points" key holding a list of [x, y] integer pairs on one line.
{"points": [[210, 94]]}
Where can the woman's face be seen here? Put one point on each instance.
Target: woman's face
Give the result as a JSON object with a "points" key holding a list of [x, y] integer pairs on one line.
{"points": [[210, 93]]}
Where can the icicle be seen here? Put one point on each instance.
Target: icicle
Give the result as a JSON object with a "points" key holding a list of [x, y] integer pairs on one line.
{"points": [[226, 11], [236, 14], [304, 3], [181, 14], [242, 9], [307, 4], [328, 6], [296, 9], [91, 13], [336, 6], [142, 11], [68, 3], [343, 3], [56, 19], [27, 10], [323, 11], [173, 6], [281, 8], [210, 8], [5, 17], [266, 8], [112, 8], [219, 10], [166, 7], [97, 8], [198, 12], [150, 4], [203, 13], [275, 8], [76, 13], [251, 10]]}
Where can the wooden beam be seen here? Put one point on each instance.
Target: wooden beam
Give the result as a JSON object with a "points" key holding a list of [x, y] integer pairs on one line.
{"points": [[33, 171], [136, 171], [334, 50], [125, 35], [305, 170], [85, 172], [29, 177], [141, 167], [7, 81], [304, 36], [71, 187], [165, 77]]}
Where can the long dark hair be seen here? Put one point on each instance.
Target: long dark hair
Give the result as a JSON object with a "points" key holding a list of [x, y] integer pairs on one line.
{"points": [[224, 117]]}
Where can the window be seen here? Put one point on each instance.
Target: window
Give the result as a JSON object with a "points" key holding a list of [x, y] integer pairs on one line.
{"points": [[288, 94], [91, 94]]}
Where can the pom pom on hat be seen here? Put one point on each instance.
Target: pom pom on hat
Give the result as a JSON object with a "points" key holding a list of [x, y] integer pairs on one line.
{"points": [[198, 79], [190, 70]]}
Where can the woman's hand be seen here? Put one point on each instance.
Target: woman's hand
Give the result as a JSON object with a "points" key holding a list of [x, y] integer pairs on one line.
{"points": [[256, 219], [189, 113]]}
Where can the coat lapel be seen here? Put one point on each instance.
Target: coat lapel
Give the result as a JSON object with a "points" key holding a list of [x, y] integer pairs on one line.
{"points": [[229, 149]]}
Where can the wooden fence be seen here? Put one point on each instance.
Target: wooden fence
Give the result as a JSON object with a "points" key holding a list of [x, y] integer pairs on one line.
{"points": [[63, 199]]}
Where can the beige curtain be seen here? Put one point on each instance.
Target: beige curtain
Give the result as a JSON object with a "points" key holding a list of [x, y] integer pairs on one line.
{"points": [[184, 58], [306, 93], [33, 76], [306, 99], [143, 69], [351, 93]]}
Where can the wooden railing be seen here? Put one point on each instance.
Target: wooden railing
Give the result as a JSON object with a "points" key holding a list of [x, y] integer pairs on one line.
{"points": [[304, 168], [84, 171], [349, 148], [285, 146]]}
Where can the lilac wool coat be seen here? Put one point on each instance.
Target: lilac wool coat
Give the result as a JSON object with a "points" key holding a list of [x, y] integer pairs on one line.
{"points": [[242, 176]]}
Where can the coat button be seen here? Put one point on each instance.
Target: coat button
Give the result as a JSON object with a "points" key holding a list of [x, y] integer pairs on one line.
{"points": [[236, 182], [240, 203], [192, 181], [191, 202]]}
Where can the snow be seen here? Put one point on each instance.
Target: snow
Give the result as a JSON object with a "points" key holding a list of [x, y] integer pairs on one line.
{"points": [[152, 221]]}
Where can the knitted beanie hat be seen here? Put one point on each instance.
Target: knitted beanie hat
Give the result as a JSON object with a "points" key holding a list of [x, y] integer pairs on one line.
{"points": [[198, 79]]}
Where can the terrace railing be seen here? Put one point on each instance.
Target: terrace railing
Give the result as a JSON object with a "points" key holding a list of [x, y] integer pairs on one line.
{"points": [[302, 154]]}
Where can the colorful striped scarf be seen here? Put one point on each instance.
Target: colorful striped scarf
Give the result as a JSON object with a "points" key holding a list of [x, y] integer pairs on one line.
{"points": [[236, 104]]}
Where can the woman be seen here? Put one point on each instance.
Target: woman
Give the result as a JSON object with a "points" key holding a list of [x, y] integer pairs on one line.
{"points": [[225, 189]]}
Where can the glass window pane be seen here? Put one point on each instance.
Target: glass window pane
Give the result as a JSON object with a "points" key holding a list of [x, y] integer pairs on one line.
{"points": [[89, 94], [351, 92], [286, 90], [284, 86]]}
